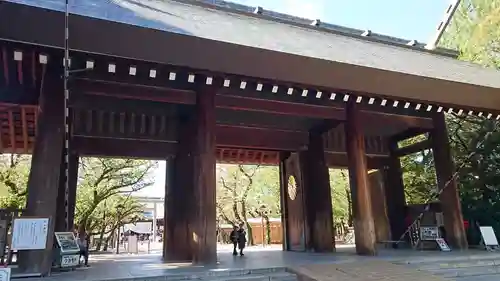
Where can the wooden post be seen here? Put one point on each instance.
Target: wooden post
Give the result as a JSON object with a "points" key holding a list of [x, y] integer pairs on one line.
{"points": [[203, 203], [395, 194], [296, 223], [284, 202], [43, 181], [177, 233], [364, 228], [382, 228], [450, 201], [317, 195]]}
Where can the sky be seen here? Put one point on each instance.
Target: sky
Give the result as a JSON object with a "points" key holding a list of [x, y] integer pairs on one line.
{"points": [[408, 19]]}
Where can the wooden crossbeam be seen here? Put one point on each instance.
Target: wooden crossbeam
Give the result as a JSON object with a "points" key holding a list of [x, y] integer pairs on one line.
{"points": [[12, 132], [24, 129]]}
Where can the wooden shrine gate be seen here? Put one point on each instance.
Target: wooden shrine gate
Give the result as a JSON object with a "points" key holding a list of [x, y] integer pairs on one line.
{"points": [[195, 92]]}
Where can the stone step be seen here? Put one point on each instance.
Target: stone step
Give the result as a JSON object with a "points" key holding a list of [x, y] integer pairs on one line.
{"points": [[466, 271], [457, 264], [261, 274], [285, 276]]}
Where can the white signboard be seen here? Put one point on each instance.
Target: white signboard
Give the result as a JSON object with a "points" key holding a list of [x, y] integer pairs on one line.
{"points": [[133, 247], [443, 246], [70, 260], [30, 233], [4, 274], [489, 237], [67, 242], [429, 233]]}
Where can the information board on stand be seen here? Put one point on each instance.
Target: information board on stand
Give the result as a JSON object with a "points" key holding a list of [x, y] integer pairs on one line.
{"points": [[489, 238], [29, 233], [69, 251], [5, 273], [443, 246]]}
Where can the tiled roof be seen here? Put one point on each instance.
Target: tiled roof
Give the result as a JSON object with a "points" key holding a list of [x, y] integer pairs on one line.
{"points": [[123, 11]]}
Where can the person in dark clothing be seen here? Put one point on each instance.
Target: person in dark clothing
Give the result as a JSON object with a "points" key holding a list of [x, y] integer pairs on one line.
{"points": [[84, 250], [234, 239], [242, 238]]}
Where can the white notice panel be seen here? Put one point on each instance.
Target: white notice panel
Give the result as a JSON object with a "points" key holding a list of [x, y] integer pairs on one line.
{"points": [[488, 234], [4, 274], [30, 233]]}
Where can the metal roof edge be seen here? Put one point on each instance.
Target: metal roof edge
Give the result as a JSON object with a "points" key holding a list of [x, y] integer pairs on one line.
{"points": [[241, 9]]}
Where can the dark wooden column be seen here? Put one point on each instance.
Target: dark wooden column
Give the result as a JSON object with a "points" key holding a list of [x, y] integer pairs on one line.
{"points": [[296, 217], [283, 201], [450, 201], [203, 203], [395, 194], [43, 181], [364, 229], [379, 206], [318, 198], [177, 236]]}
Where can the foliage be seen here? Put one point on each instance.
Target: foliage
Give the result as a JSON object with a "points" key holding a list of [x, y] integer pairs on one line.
{"points": [[419, 175], [475, 32], [14, 171], [105, 179], [341, 193]]}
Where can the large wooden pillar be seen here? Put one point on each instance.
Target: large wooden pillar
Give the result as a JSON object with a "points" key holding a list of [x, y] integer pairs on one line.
{"points": [[296, 217], [318, 200], [379, 206], [177, 236], [203, 203], [364, 229], [283, 202], [395, 194], [450, 201], [43, 181]]}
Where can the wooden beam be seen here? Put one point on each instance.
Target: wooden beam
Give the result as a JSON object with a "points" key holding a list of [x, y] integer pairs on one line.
{"points": [[277, 107], [339, 160], [247, 137], [123, 148], [5, 66], [409, 133], [25, 129], [12, 132], [130, 91], [413, 148], [93, 89]]}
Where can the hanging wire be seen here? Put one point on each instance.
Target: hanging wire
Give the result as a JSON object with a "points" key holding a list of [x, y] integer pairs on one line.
{"points": [[436, 195], [66, 115]]}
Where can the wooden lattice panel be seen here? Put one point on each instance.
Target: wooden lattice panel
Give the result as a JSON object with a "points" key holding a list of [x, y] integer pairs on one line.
{"points": [[18, 128], [246, 156]]}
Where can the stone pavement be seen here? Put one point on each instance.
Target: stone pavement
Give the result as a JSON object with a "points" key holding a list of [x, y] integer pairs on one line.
{"points": [[271, 260], [361, 271]]}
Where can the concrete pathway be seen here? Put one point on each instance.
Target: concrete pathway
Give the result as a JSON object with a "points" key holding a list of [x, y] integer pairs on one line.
{"points": [[264, 261], [368, 270]]}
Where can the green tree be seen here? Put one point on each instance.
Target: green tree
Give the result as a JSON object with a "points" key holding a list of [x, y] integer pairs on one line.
{"points": [[341, 196], [14, 171], [248, 191], [475, 32], [101, 179]]}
